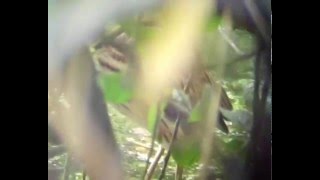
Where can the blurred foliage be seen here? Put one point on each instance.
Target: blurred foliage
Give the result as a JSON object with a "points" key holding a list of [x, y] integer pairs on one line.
{"points": [[238, 75], [114, 89], [135, 142]]}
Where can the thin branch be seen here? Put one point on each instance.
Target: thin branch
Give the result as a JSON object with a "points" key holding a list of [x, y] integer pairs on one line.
{"points": [[154, 163], [170, 148], [229, 41], [152, 142]]}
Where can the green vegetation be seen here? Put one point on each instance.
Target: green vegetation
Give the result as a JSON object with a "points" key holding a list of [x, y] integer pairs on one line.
{"points": [[135, 142]]}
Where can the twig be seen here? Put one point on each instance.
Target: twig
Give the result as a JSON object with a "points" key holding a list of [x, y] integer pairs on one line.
{"points": [[230, 42], [154, 163], [152, 144], [169, 150]]}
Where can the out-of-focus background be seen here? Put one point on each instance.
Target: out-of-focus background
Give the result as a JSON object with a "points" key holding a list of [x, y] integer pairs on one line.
{"points": [[164, 36]]}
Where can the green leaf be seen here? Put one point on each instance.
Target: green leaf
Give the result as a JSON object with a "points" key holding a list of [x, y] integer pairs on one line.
{"points": [[196, 114], [235, 146], [186, 153], [114, 89], [200, 110], [152, 117], [213, 23]]}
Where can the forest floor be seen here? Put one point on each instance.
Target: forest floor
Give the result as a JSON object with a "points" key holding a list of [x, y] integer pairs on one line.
{"points": [[134, 143]]}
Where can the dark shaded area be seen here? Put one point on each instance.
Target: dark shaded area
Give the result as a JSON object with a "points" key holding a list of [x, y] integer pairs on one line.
{"points": [[53, 137], [258, 162], [242, 16]]}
